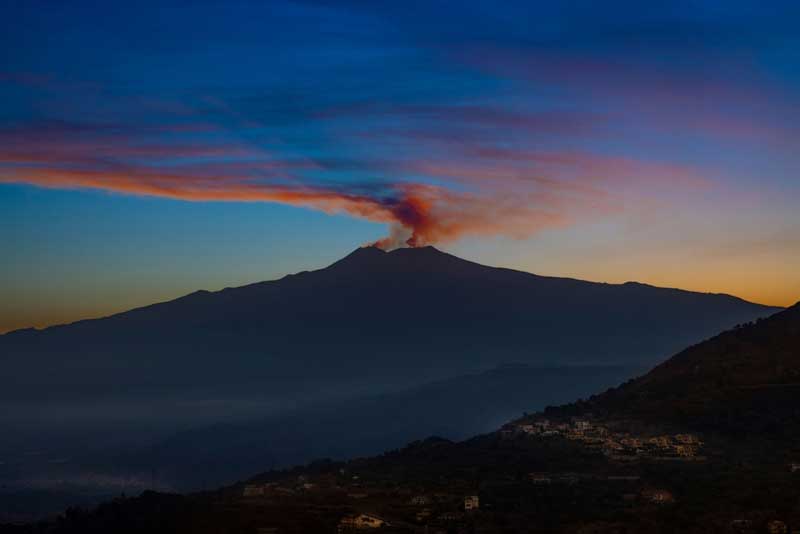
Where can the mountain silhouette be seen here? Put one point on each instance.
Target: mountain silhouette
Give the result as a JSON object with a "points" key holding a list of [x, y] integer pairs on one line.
{"points": [[355, 357], [371, 320]]}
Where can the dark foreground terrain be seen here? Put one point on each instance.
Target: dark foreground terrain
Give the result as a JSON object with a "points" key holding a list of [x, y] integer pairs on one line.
{"points": [[709, 441], [523, 484]]}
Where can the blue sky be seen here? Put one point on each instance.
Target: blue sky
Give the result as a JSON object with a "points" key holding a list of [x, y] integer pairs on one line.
{"points": [[151, 149]]}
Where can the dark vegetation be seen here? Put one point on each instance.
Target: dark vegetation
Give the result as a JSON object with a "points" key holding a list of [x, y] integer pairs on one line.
{"points": [[708, 497]]}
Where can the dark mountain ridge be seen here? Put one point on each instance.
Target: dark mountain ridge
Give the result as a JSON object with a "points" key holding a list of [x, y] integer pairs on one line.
{"points": [[372, 318]]}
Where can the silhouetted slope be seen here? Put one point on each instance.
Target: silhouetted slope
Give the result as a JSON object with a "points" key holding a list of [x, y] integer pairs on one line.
{"points": [[745, 380], [369, 319]]}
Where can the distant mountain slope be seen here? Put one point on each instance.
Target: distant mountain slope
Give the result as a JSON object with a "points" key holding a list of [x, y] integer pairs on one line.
{"points": [[743, 381], [371, 319], [456, 408]]}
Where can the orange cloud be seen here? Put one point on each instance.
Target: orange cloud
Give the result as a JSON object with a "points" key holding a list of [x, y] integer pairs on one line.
{"points": [[479, 190], [421, 214]]}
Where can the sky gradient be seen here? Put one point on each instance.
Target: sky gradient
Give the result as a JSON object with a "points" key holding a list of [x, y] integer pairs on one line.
{"points": [[150, 150]]}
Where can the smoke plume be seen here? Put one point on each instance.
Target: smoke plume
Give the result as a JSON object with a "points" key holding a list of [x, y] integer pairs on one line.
{"points": [[479, 192], [417, 214]]}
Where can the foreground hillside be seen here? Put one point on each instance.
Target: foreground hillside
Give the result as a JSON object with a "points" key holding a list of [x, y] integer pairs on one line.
{"points": [[662, 454], [522, 484], [743, 382]]}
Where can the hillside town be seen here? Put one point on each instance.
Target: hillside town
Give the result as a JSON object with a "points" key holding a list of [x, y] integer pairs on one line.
{"points": [[615, 443]]}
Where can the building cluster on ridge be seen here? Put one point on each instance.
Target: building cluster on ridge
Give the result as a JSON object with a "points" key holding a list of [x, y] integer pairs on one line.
{"points": [[616, 444]]}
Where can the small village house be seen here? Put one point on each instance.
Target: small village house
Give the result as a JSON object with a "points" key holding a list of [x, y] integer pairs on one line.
{"points": [[361, 522]]}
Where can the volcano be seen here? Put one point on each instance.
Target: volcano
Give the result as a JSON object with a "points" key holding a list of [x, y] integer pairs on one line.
{"points": [[373, 319]]}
